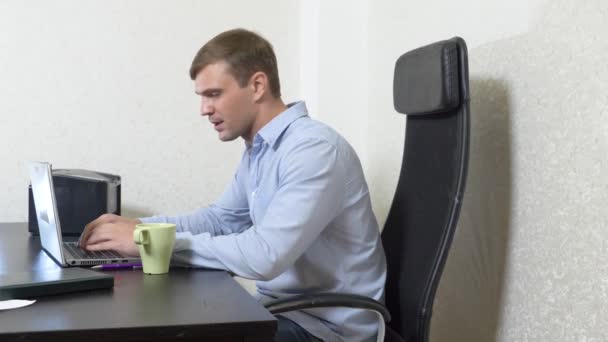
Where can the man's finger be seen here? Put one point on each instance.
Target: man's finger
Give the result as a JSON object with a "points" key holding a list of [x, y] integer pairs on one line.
{"points": [[102, 233], [102, 246], [91, 226], [86, 234]]}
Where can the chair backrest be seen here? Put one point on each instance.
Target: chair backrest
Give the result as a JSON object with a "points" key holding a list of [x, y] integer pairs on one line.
{"points": [[431, 86]]}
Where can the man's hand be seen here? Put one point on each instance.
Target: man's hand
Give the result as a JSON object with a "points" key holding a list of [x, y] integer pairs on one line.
{"points": [[110, 231]]}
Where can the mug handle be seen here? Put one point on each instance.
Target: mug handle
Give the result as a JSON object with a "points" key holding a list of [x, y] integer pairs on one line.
{"points": [[141, 236]]}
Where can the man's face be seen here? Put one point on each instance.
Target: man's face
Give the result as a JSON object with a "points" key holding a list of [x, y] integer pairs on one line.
{"points": [[230, 108]]}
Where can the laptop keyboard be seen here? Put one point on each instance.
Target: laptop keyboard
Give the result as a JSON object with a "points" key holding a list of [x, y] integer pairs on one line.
{"points": [[79, 253]]}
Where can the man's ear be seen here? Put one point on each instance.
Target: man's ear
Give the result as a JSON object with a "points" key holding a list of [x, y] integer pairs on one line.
{"points": [[259, 85]]}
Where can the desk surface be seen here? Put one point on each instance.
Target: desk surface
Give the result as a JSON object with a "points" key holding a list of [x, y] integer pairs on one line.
{"points": [[184, 304]]}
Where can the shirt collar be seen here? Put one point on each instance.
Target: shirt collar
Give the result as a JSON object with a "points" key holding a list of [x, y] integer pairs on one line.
{"points": [[273, 129]]}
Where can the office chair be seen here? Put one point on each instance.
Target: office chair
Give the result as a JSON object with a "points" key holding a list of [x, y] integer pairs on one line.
{"points": [[431, 86]]}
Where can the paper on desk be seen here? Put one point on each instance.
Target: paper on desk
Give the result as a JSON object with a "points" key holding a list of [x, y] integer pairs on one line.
{"points": [[14, 303]]}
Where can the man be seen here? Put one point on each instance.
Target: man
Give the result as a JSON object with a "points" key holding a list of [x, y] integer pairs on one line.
{"points": [[297, 215]]}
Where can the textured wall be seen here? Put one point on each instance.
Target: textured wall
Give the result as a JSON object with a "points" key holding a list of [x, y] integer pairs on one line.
{"points": [[529, 259]]}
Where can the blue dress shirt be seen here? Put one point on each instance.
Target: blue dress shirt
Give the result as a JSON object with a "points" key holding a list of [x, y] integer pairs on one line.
{"points": [[297, 218]]}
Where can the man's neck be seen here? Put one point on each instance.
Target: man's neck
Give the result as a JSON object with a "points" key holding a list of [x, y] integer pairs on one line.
{"points": [[267, 111], [270, 110]]}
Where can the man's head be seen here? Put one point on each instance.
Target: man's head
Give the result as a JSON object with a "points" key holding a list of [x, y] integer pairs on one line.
{"points": [[236, 75], [245, 52]]}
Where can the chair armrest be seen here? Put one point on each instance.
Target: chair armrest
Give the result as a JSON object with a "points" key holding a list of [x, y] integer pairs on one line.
{"points": [[321, 300]]}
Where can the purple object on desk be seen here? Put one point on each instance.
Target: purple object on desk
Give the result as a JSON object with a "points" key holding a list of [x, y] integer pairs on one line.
{"points": [[118, 266]]}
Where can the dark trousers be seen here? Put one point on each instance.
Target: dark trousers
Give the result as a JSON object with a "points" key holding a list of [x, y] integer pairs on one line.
{"points": [[289, 331]]}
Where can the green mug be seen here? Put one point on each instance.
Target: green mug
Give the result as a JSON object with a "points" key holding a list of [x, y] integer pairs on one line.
{"points": [[155, 242]]}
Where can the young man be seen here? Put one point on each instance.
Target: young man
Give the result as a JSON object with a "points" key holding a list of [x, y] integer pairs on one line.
{"points": [[297, 215]]}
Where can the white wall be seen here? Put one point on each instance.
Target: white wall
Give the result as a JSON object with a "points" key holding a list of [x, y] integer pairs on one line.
{"points": [[104, 85], [343, 70]]}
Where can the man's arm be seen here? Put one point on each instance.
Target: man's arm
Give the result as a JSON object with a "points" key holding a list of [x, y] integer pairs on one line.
{"points": [[230, 214], [309, 198]]}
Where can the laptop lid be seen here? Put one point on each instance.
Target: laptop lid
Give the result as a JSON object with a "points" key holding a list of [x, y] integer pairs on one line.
{"points": [[46, 210]]}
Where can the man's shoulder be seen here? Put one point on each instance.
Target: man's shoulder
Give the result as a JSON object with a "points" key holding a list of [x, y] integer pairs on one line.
{"points": [[308, 129]]}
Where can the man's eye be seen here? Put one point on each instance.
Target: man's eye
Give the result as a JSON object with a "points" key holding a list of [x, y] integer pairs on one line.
{"points": [[211, 94]]}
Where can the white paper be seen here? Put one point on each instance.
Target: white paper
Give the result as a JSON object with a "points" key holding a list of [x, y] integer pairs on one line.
{"points": [[14, 303]]}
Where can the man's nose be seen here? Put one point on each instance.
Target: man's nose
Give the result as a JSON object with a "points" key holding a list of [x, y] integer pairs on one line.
{"points": [[206, 108]]}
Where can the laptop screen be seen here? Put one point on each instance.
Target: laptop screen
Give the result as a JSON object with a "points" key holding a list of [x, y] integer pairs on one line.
{"points": [[46, 209]]}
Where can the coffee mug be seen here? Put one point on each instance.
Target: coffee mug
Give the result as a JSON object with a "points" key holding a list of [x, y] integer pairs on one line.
{"points": [[155, 242]]}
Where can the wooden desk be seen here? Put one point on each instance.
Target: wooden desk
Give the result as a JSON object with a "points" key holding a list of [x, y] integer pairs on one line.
{"points": [[196, 305]]}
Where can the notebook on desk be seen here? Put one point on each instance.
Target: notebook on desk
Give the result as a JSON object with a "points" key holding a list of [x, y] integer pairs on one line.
{"points": [[33, 284], [64, 253]]}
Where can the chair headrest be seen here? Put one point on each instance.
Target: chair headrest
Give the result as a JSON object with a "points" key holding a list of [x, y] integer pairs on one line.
{"points": [[427, 79]]}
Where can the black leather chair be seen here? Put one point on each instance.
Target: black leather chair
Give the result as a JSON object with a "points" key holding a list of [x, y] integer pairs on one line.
{"points": [[431, 86]]}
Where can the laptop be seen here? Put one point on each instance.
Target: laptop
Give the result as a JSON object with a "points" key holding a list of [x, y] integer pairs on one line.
{"points": [[65, 253]]}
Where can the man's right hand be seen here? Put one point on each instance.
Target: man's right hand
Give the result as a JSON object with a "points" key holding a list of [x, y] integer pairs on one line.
{"points": [[110, 232]]}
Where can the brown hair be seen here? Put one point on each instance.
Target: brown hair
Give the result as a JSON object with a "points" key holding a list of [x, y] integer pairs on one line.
{"points": [[245, 52]]}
